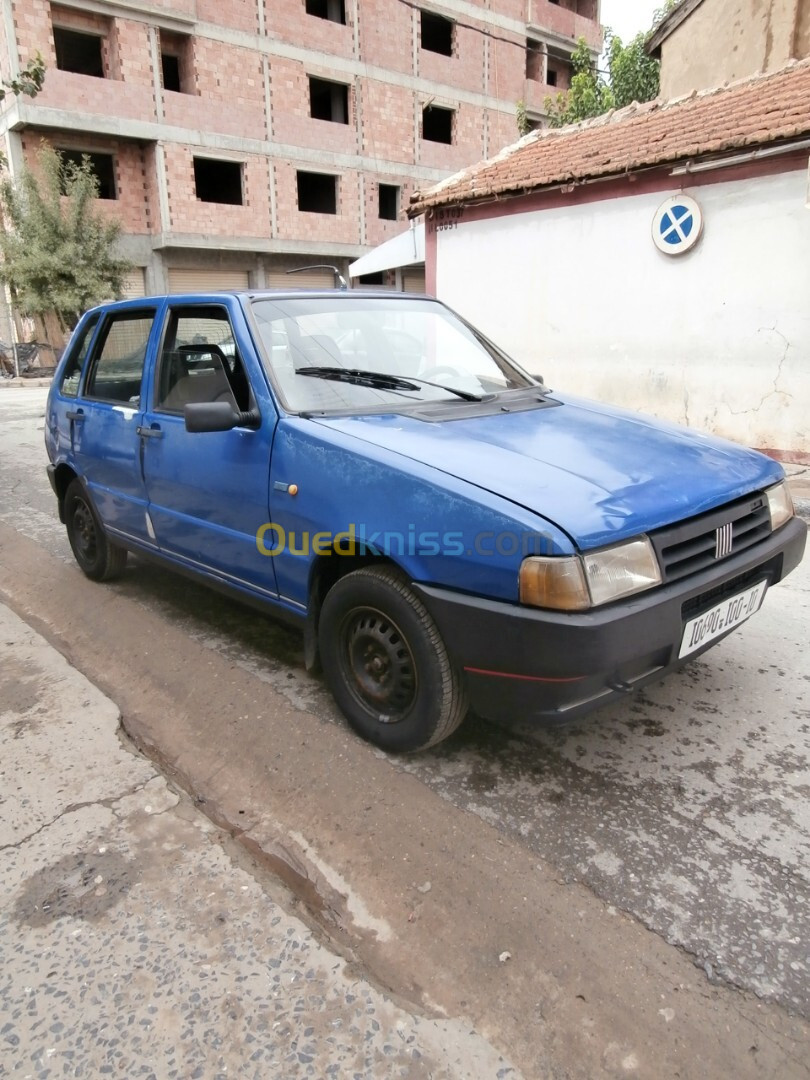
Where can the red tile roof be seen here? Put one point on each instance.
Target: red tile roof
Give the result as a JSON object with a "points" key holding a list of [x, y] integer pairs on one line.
{"points": [[745, 115]]}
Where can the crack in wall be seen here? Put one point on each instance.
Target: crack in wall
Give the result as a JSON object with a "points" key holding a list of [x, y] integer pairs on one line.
{"points": [[777, 377]]}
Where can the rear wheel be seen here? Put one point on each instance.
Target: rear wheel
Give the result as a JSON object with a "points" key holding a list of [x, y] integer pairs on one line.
{"points": [[386, 664], [98, 558]]}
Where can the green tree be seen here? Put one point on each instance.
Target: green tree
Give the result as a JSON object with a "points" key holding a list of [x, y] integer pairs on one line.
{"points": [[28, 82], [631, 76], [588, 95], [57, 249]]}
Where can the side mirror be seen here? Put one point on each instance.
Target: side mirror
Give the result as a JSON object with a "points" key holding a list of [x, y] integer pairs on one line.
{"points": [[538, 378], [218, 416]]}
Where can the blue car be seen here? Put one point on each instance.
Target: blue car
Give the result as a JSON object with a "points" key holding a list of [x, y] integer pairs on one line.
{"points": [[446, 531]]}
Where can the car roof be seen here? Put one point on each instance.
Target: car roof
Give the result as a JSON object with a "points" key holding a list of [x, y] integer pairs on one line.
{"points": [[258, 294]]}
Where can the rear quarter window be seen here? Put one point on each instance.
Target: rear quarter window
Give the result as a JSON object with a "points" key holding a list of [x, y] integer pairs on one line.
{"points": [[118, 358], [71, 377]]}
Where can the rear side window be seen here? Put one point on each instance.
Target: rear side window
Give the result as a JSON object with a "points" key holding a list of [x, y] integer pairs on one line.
{"points": [[117, 367], [78, 355]]}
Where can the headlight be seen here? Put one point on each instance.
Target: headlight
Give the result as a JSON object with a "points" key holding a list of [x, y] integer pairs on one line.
{"points": [[575, 583], [780, 504]]}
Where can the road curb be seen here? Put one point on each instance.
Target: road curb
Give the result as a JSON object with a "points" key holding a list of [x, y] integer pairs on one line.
{"points": [[23, 383]]}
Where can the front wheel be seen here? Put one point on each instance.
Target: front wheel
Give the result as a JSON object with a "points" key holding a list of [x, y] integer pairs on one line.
{"points": [[386, 664], [99, 559]]}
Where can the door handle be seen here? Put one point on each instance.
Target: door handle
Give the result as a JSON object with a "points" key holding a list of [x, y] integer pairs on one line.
{"points": [[149, 432], [74, 414]]}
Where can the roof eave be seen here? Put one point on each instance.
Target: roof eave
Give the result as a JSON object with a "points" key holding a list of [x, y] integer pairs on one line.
{"points": [[698, 162]]}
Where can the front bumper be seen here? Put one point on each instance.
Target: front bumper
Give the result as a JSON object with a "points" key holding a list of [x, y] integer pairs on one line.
{"points": [[531, 663]]}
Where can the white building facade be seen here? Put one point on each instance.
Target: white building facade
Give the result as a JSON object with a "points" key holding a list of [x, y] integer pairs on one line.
{"points": [[711, 329]]}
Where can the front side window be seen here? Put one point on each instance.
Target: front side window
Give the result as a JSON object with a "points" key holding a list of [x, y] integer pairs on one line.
{"points": [[117, 367], [78, 354], [360, 352], [200, 362]]}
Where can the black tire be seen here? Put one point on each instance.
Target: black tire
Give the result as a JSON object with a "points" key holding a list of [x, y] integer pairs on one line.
{"points": [[386, 664], [98, 558]]}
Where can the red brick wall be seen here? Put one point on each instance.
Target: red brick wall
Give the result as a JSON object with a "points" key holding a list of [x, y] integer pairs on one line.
{"points": [[386, 35], [189, 215], [387, 121], [227, 98], [235, 14], [378, 230], [289, 106], [343, 227], [507, 68], [32, 23], [287, 20]]}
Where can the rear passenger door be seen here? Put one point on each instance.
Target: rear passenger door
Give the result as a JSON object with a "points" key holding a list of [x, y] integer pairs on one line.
{"points": [[208, 491], [104, 419]]}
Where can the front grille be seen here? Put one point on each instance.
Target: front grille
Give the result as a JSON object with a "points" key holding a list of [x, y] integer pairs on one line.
{"points": [[692, 546], [707, 600]]}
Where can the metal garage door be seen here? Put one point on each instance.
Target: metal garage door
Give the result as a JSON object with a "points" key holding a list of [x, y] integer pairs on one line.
{"points": [[181, 281], [413, 280], [307, 279], [134, 284]]}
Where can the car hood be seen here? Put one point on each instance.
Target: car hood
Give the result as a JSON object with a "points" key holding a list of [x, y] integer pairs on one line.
{"points": [[599, 473]]}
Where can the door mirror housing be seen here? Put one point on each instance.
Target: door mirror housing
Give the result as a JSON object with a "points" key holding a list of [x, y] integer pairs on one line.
{"points": [[218, 416]]}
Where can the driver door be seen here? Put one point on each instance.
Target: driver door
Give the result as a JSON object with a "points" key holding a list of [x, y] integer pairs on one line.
{"points": [[208, 491]]}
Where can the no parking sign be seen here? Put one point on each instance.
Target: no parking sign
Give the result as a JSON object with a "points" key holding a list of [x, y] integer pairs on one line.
{"points": [[677, 225]]}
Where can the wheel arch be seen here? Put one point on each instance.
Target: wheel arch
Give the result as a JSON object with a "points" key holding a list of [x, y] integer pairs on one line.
{"points": [[328, 568], [62, 478]]}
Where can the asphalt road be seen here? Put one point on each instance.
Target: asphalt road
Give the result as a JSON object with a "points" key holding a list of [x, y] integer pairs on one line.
{"points": [[685, 806]]}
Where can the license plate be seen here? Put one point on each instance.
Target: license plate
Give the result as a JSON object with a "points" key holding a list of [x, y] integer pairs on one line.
{"points": [[717, 620]]}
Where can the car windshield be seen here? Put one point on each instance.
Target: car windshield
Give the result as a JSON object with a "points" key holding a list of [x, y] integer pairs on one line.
{"points": [[343, 352]]}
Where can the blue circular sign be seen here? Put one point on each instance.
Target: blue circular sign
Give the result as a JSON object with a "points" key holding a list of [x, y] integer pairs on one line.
{"points": [[677, 225]]}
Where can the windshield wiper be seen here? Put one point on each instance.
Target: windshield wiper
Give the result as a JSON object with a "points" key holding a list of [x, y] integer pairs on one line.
{"points": [[379, 380]]}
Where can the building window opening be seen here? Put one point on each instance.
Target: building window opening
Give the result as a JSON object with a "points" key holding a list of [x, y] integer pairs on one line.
{"points": [[534, 61], [389, 202], [78, 52], [328, 100], [558, 73], [102, 167], [367, 280], [175, 62], [333, 10], [317, 193], [437, 33], [170, 67], [437, 124], [218, 181]]}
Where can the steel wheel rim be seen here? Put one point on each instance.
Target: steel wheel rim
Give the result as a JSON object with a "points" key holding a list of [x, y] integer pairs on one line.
{"points": [[84, 531], [379, 664]]}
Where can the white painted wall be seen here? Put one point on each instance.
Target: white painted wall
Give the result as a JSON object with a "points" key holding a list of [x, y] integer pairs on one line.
{"points": [[718, 338]]}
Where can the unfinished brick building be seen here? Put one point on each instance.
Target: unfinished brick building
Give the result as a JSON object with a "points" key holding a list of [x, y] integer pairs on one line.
{"points": [[239, 139]]}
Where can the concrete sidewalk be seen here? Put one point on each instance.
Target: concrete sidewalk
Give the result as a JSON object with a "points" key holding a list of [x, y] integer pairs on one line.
{"points": [[134, 940], [799, 480]]}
